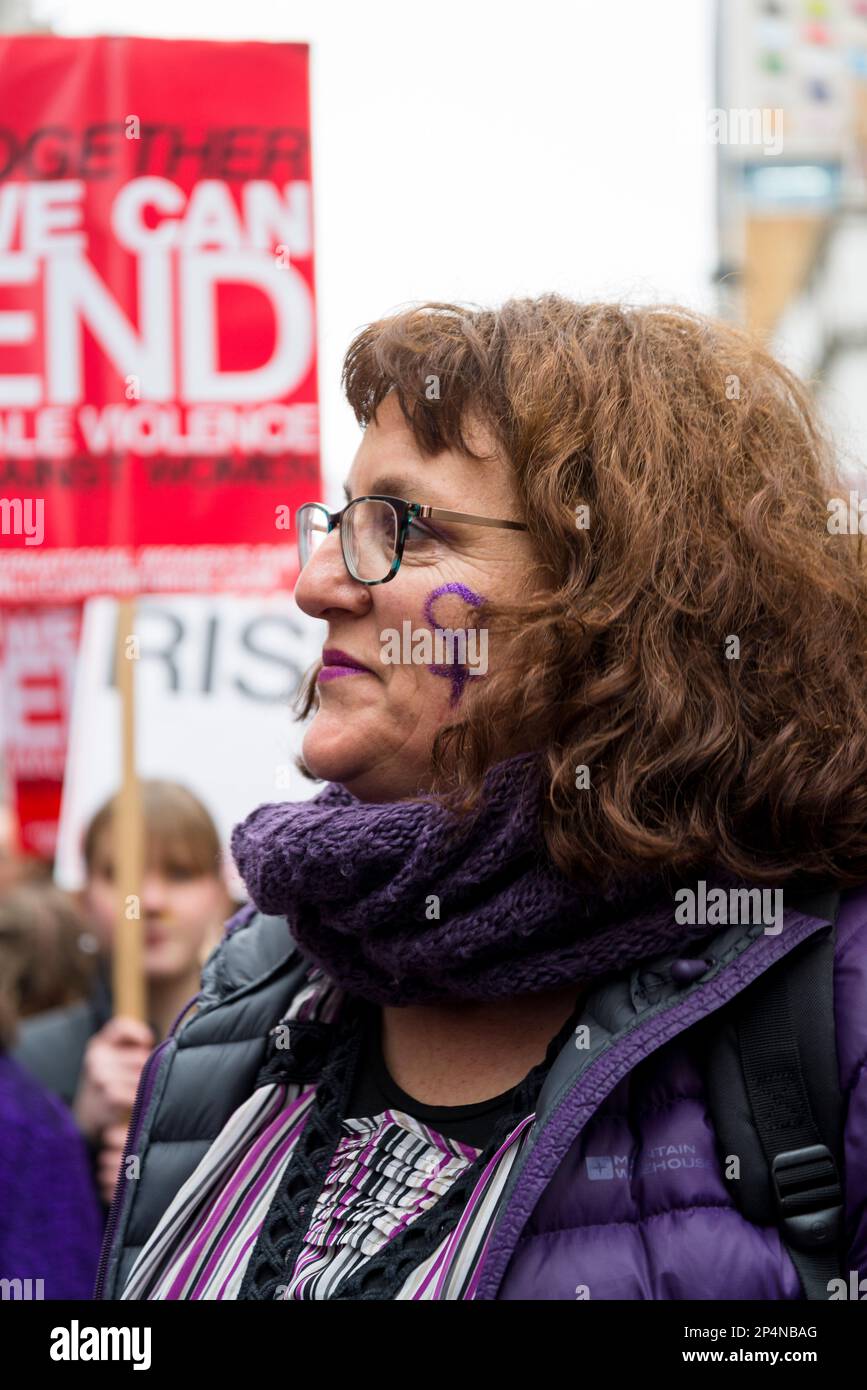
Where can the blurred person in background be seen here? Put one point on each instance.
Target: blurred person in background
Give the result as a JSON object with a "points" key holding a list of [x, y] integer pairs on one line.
{"points": [[60, 962], [50, 1218], [88, 1057], [17, 867], [12, 865]]}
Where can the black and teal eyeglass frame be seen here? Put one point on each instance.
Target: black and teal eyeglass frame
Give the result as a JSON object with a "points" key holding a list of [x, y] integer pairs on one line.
{"points": [[406, 513]]}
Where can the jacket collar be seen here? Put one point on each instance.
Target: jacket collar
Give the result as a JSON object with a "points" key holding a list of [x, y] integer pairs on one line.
{"points": [[621, 1002]]}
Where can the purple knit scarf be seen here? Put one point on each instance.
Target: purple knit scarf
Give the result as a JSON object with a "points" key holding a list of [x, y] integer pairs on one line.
{"points": [[400, 903]]}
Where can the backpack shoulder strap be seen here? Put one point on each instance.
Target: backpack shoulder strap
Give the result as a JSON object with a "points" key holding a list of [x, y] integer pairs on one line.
{"points": [[774, 1089]]}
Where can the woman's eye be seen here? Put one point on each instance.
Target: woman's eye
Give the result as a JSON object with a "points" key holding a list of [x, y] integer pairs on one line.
{"points": [[418, 532]]}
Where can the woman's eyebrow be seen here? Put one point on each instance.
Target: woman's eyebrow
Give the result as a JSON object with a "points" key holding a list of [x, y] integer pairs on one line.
{"points": [[390, 485]]}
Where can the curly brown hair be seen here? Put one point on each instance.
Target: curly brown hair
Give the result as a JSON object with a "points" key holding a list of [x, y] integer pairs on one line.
{"points": [[706, 476]]}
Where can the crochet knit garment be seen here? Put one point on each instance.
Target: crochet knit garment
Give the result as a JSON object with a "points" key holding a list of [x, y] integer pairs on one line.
{"points": [[400, 902]]}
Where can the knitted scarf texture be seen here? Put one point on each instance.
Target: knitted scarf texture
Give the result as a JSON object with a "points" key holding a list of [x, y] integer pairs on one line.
{"points": [[401, 902]]}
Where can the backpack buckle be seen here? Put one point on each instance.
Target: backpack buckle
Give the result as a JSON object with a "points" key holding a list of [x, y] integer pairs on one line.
{"points": [[808, 1192]]}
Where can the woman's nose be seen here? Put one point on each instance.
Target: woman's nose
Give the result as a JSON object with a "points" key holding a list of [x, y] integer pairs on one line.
{"points": [[325, 583]]}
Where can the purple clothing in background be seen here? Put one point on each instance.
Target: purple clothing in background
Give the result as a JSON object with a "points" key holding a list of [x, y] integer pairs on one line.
{"points": [[50, 1219]]}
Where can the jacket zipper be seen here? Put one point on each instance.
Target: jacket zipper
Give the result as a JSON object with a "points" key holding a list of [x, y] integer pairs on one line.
{"points": [[131, 1136], [490, 1283], [140, 1100]]}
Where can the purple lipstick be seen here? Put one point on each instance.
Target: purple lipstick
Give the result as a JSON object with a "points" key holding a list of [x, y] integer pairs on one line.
{"points": [[337, 663]]}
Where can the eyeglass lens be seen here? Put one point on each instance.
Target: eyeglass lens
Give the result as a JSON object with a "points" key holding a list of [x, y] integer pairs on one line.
{"points": [[369, 538], [370, 531]]}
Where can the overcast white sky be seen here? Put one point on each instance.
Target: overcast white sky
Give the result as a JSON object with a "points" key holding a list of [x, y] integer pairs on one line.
{"points": [[475, 149]]}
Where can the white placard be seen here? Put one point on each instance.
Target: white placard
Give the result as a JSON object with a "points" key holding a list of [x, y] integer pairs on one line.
{"points": [[215, 679]]}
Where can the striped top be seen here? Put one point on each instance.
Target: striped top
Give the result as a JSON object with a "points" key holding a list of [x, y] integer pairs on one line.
{"points": [[386, 1171]]}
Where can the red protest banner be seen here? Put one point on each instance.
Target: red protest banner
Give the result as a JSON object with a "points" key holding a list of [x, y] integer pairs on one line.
{"points": [[38, 652], [158, 389]]}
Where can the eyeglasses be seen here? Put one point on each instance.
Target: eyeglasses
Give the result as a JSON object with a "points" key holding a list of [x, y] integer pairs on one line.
{"points": [[373, 532]]}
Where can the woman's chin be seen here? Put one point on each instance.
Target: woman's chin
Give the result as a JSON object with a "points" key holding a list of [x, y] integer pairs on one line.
{"points": [[334, 754], [351, 760]]}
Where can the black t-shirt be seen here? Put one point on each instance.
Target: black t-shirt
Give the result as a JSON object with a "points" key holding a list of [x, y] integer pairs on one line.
{"points": [[373, 1091]]}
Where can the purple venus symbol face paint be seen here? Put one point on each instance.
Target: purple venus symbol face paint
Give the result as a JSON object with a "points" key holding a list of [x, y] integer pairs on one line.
{"points": [[456, 673]]}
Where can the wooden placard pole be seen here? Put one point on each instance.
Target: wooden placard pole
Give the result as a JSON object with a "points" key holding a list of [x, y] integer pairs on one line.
{"points": [[128, 981]]}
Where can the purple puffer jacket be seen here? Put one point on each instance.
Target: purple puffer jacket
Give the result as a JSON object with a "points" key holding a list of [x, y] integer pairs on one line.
{"points": [[619, 1193], [623, 1194]]}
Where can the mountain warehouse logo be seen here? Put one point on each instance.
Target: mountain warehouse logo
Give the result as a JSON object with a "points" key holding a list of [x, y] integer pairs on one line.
{"points": [[662, 1158], [76, 1343]]}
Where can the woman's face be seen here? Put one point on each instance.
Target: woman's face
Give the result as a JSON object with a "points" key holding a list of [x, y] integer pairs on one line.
{"points": [[373, 730], [182, 914]]}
